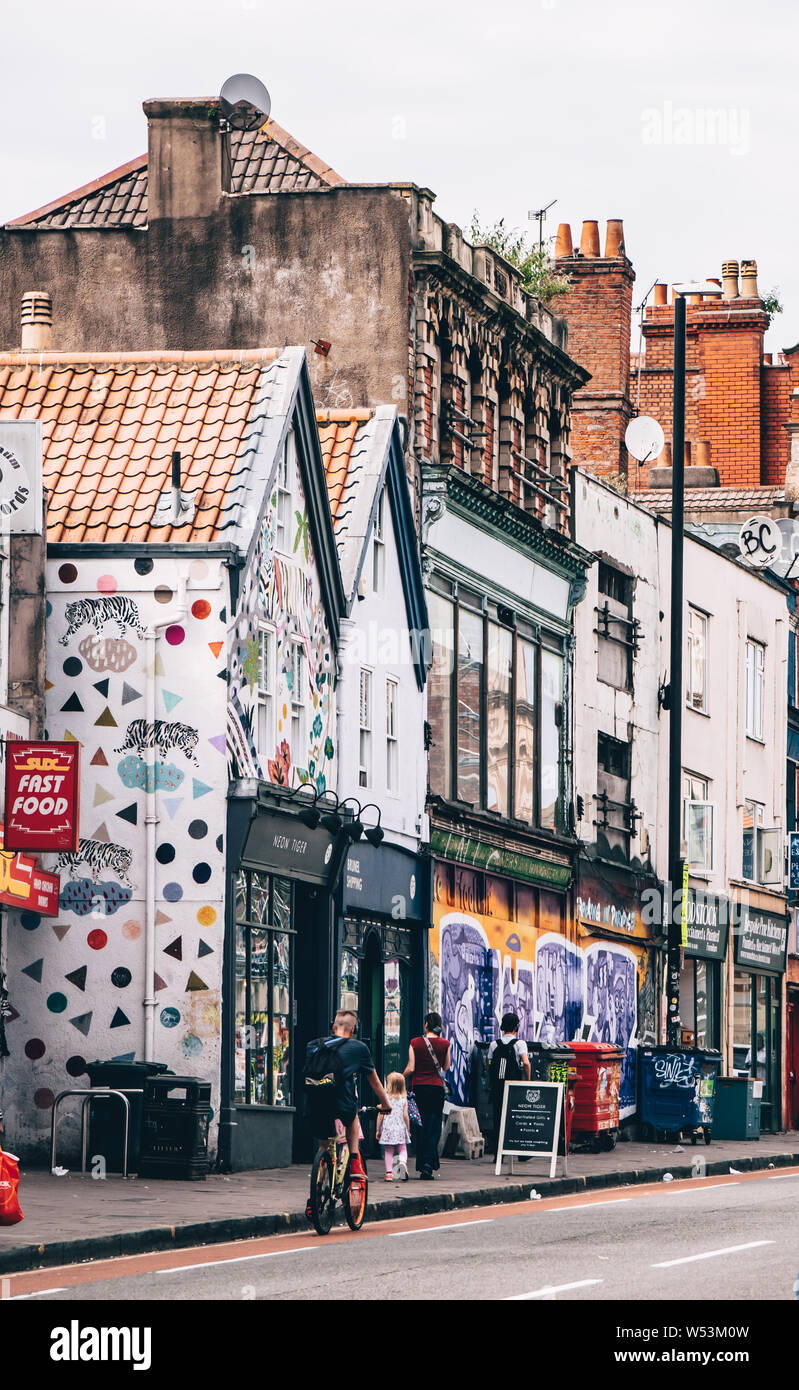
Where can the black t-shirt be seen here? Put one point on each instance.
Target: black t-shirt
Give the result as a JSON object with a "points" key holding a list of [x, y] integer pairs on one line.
{"points": [[356, 1059]]}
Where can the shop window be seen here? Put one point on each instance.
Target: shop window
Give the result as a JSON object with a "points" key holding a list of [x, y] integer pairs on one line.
{"points": [[264, 989], [365, 726], [392, 737], [299, 683], [379, 548], [755, 686], [441, 614], [265, 692], [700, 1003], [696, 660], [551, 714], [525, 730], [348, 993], [470, 696], [284, 502], [698, 823], [500, 657], [616, 628]]}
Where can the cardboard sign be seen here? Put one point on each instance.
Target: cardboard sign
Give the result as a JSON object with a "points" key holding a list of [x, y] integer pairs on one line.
{"points": [[24, 885], [42, 796], [530, 1122]]}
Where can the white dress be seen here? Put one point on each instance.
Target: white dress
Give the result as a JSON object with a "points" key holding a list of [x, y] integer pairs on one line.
{"points": [[393, 1130]]}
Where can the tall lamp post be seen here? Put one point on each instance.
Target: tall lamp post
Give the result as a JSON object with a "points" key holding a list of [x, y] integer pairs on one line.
{"points": [[674, 940]]}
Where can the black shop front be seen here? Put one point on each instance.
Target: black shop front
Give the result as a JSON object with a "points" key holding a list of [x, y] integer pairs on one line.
{"points": [[278, 979], [707, 932], [384, 920], [760, 947]]}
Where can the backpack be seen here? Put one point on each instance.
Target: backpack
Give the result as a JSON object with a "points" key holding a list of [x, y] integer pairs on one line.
{"points": [[504, 1066], [323, 1074]]}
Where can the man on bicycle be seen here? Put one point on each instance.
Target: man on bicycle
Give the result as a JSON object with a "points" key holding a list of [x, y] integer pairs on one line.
{"points": [[354, 1059]]}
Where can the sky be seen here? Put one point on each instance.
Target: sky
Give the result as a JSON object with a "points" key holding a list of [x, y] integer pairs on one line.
{"points": [[679, 118]]}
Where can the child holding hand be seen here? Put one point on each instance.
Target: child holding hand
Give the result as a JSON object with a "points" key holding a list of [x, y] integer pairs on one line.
{"points": [[393, 1130]]}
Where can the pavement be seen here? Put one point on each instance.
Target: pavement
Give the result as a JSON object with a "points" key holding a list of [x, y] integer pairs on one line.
{"points": [[76, 1218]]}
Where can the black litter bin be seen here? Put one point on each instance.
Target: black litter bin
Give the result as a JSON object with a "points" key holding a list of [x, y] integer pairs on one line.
{"points": [[105, 1117], [175, 1127]]}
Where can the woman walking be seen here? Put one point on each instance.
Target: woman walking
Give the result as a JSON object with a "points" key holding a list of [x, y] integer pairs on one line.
{"points": [[428, 1059]]}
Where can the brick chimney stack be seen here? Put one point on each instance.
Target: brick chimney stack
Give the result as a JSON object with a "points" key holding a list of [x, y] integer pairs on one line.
{"points": [[184, 158], [598, 310]]}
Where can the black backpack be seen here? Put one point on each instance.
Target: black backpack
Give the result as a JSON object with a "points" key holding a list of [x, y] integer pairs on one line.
{"points": [[323, 1073], [504, 1066]]}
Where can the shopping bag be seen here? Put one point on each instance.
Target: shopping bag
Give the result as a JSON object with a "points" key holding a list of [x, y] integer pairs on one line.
{"points": [[10, 1210]]}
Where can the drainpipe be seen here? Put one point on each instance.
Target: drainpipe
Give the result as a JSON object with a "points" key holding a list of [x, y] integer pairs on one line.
{"points": [[151, 818]]}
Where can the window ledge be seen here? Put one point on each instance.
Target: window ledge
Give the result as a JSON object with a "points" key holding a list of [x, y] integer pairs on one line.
{"points": [[704, 713], [753, 738]]}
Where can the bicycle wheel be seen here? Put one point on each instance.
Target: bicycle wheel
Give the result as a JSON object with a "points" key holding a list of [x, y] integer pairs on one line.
{"points": [[354, 1196], [321, 1201]]}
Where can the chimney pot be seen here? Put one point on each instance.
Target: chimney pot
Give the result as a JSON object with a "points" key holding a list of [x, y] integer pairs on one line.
{"points": [[661, 294], [768, 359], [687, 454], [37, 321], [563, 241], [589, 241], [729, 280], [703, 454], [749, 280], [665, 458], [614, 239]]}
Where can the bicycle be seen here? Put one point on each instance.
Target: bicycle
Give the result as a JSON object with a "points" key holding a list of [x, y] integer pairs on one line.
{"points": [[332, 1181]]}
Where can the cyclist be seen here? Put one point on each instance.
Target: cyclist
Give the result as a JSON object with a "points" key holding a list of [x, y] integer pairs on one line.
{"points": [[355, 1060]]}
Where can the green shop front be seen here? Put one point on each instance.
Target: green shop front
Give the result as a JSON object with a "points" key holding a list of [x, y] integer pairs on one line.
{"points": [[760, 955]]}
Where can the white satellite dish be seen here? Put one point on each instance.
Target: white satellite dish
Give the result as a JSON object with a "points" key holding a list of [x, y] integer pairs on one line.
{"points": [[644, 438], [244, 101]]}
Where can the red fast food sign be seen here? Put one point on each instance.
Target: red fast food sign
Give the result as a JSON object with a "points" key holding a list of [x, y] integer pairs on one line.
{"points": [[42, 796], [24, 885]]}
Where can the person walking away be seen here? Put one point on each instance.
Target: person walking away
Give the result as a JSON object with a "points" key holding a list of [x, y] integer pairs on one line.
{"points": [[508, 1060], [394, 1130], [428, 1058]]}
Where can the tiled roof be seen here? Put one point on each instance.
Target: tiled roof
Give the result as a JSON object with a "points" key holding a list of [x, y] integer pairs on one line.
{"points": [[262, 161], [344, 437], [110, 423], [709, 499]]}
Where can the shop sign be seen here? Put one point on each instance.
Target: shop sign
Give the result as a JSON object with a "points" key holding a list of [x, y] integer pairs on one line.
{"points": [[21, 477], [281, 844], [613, 908], [530, 1121], [384, 880], [793, 859], [24, 885], [761, 941], [478, 854], [707, 925], [42, 796]]}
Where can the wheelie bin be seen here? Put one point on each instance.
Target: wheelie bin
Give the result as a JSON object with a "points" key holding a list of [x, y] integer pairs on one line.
{"points": [[555, 1062], [677, 1090], [105, 1129], [596, 1094]]}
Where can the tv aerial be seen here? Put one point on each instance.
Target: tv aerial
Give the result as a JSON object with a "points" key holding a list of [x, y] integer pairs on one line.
{"points": [[244, 101]]}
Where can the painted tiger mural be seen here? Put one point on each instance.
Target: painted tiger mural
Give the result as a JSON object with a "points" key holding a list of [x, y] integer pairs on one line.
{"points": [[162, 736], [99, 855], [99, 611]]}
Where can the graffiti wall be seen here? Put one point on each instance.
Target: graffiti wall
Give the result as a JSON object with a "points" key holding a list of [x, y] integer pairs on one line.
{"points": [[486, 966], [281, 642], [77, 982]]}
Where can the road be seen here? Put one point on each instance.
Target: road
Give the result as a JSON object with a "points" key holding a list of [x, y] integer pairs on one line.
{"points": [[731, 1238]]}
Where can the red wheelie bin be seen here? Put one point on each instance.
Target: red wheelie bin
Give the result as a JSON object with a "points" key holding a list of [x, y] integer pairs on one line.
{"points": [[596, 1095]]}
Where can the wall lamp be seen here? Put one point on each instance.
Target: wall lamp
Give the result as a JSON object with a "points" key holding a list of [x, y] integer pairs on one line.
{"points": [[375, 834]]}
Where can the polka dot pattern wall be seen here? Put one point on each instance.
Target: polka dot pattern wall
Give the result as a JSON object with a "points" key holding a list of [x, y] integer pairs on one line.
{"points": [[77, 982]]}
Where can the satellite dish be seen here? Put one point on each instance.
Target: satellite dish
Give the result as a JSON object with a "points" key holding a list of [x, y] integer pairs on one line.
{"points": [[245, 102], [644, 438]]}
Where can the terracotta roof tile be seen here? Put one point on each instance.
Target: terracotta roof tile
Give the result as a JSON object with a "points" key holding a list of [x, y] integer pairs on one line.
{"points": [[111, 423], [262, 161], [712, 498]]}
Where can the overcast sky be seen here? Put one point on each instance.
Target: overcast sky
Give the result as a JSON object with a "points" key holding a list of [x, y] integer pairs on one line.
{"points": [[496, 106]]}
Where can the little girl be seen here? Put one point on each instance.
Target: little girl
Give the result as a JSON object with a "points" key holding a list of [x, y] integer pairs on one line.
{"points": [[393, 1131]]}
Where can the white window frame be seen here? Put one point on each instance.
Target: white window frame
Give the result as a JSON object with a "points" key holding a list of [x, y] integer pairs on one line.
{"points": [[365, 697], [770, 841], [284, 501], [392, 736], [264, 711], [298, 682], [379, 547], [696, 699], [706, 865], [755, 688]]}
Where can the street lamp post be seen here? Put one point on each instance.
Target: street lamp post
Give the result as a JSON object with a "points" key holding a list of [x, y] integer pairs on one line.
{"points": [[675, 861]]}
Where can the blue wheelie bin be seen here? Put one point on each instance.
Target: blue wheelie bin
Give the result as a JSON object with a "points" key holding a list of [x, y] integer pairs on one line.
{"points": [[677, 1087]]}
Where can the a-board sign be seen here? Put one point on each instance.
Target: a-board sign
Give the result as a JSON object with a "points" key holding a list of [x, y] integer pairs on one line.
{"points": [[530, 1122]]}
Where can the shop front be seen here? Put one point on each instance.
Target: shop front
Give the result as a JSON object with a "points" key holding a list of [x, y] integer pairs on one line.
{"points": [[382, 947], [702, 974], [618, 964], [760, 958], [277, 981]]}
